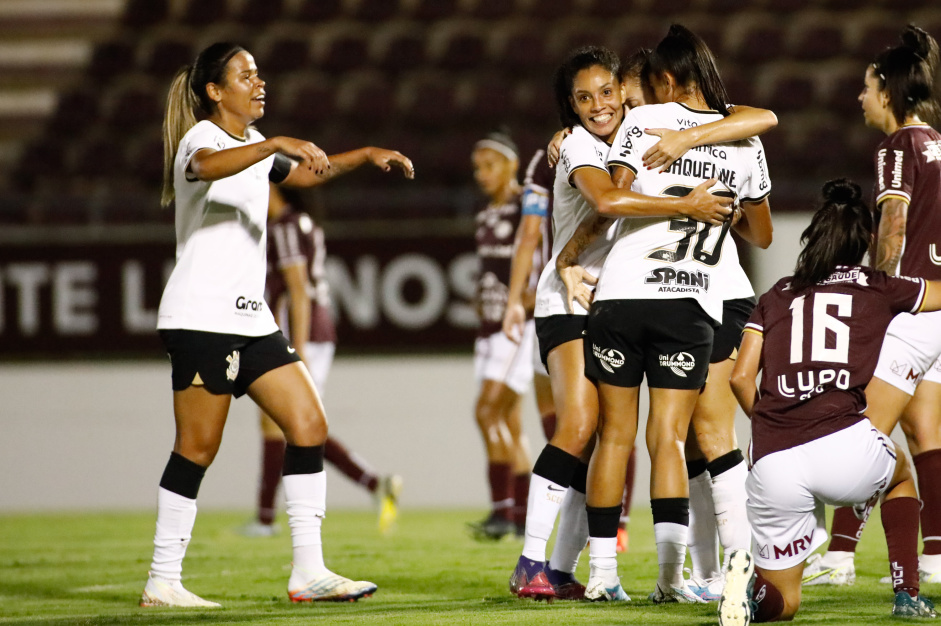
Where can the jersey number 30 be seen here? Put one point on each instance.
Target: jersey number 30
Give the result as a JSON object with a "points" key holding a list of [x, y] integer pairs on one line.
{"points": [[691, 227]]}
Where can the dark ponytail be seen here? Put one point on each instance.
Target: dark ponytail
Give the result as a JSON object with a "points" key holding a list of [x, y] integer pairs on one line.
{"points": [[907, 72], [689, 60], [186, 98], [839, 234], [575, 62]]}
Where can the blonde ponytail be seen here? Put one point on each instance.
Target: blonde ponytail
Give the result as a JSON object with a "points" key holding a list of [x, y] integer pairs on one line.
{"points": [[182, 105]]}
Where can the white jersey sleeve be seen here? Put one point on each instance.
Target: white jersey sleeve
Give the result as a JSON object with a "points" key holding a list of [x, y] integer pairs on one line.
{"points": [[757, 185], [629, 144], [580, 149]]}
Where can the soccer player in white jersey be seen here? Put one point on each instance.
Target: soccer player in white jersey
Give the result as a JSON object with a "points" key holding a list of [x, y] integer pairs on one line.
{"points": [[590, 96], [656, 303], [898, 100], [221, 337]]}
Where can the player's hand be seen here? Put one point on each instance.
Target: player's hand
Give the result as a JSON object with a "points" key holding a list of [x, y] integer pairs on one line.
{"points": [[309, 155], [706, 207], [514, 319], [386, 159], [737, 215], [577, 282], [672, 145], [555, 146]]}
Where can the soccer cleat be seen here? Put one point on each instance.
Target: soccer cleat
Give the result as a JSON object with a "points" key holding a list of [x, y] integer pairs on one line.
{"points": [[623, 540], [161, 592], [492, 528], [819, 570], [565, 585], [709, 589], [257, 529], [907, 606], [529, 580], [928, 574], [605, 586], [390, 488], [674, 595], [735, 605], [330, 587]]}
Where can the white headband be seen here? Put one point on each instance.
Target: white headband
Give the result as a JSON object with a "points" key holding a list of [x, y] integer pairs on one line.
{"points": [[503, 149]]}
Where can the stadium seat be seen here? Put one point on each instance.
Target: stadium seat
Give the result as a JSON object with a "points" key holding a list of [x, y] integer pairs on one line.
{"points": [[147, 159], [817, 42], [313, 103], [462, 51], [493, 97], [791, 93], [111, 59], [134, 107], [493, 10], [142, 13], [740, 87], [874, 38], [373, 11], [522, 49], [73, 112], [42, 157], [344, 53], [761, 43], [429, 102], [606, 9], [434, 10], [843, 91], [368, 103], [260, 11], [204, 12], [99, 158], [288, 54], [400, 52], [167, 56], [319, 11]]}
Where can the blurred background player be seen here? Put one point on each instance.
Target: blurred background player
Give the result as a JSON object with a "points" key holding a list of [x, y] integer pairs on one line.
{"points": [[298, 294], [898, 98], [815, 337], [503, 368]]}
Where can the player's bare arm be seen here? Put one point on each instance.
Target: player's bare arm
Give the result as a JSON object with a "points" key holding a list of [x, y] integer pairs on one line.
{"points": [[211, 165], [554, 149], [346, 162], [615, 199], [574, 276], [754, 223], [891, 235], [527, 238], [742, 123], [296, 280], [746, 369]]}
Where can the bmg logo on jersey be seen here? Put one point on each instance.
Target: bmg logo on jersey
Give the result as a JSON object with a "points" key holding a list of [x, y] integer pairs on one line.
{"points": [[610, 359], [679, 363], [677, 280]]}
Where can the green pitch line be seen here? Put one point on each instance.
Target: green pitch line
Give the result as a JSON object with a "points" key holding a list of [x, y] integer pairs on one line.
{"points": [[91, 568]]}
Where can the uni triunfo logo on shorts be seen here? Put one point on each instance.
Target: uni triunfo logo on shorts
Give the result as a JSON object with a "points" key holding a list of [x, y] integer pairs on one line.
{"points": [[609, 359], [679, 363]]}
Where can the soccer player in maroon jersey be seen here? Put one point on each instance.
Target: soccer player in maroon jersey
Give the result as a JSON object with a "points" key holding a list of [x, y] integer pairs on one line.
{"points": [[816, 336], [898, 100]]}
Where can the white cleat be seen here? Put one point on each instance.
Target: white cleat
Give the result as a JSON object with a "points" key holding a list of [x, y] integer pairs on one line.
{"points": [[828, 570], [674, 595], [161, 592], [709, 589], [330, 587], [735, 604], [605, 586]]}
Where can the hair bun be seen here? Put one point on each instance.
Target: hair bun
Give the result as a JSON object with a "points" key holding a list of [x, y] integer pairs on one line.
{"points": [[841, 190], [918, 40]]}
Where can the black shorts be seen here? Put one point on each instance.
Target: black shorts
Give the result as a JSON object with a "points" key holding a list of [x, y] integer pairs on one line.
{"points": [[669, 341], [224, 364], [729, 336], [554, 330]]}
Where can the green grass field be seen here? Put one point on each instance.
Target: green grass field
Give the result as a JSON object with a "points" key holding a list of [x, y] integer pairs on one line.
{"points": [[90, 569]]}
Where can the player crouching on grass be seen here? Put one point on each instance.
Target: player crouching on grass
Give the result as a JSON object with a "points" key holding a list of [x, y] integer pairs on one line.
{"points": [[812, 444]]}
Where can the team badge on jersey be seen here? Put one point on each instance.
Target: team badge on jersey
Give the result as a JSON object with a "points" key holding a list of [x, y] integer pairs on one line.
{"points": [[233, 370], [679, 363]]}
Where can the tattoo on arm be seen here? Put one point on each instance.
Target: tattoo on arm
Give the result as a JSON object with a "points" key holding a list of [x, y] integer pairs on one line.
{"points": [[584, 235], [891, 235]]}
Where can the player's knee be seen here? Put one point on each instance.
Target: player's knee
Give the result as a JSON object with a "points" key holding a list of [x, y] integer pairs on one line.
{"points": [[304, 426]]}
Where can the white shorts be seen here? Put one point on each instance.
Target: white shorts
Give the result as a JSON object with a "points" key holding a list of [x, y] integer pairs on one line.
{"points": [[933, 375], [911, 347], [318, 357], [497, 358], [538, 368], [787, 490]]}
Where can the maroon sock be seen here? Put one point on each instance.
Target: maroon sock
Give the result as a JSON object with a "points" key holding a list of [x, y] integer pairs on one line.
{"points": [[272, 462], [769, 603], [548, 425], [900, 521], [846, 530], [520, 498], [628, 488], [928, 466], [336, 454], [501, 489]]}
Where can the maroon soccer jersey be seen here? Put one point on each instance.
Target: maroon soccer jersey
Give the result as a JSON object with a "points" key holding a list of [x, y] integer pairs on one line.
{"points": [[819, 352], [908, 166], [496, 233], [295, 239], [537, 200]]}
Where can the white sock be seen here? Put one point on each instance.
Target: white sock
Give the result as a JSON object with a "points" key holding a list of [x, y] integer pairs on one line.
{"points": [[703, 539], [306, 499], [838, 558], [728, 496], [603, 554], [929, 562], [545, 499], [175, 518], [573, 533], [671, 552]]}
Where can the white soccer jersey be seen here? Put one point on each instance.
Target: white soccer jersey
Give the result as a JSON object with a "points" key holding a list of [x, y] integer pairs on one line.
{"points": [[658, 257], [218, 283], [580, 149]]}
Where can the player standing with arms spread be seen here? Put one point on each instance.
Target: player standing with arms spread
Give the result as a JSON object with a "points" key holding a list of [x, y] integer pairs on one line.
{"points": [[898, 99], [221, 337], [815, 337]]}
